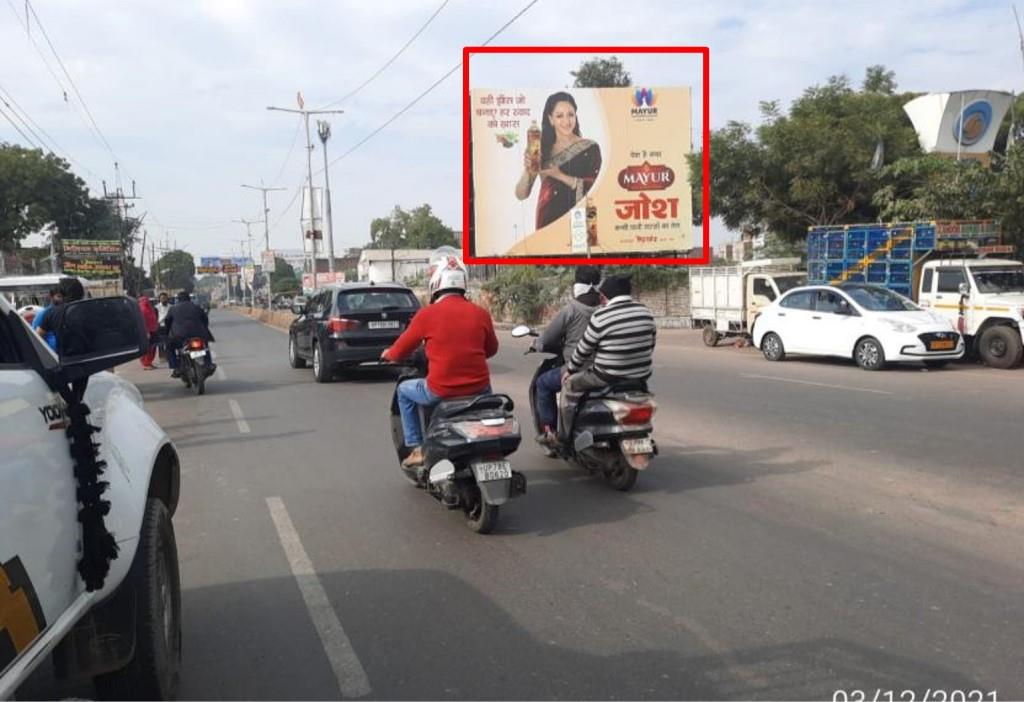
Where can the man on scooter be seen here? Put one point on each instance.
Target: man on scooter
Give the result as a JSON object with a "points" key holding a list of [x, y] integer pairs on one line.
{"points": [[617, 347], [458, 338], [561, 336]]}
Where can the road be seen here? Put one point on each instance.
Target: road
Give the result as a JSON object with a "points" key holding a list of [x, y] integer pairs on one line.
{"points": [[808, 528]]}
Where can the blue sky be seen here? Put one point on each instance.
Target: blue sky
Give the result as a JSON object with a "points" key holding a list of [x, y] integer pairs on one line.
{"points": [[179, 89]]}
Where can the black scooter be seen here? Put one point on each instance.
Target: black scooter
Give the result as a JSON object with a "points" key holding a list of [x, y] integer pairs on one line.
{"points": [[606, 432], [466, 442]]}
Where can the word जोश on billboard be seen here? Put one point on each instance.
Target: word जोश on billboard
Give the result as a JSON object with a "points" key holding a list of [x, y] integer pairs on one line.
{"points": [[580, 172]]}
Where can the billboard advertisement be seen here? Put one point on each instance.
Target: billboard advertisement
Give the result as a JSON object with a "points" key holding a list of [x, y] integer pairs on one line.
{"points": [[208, 265], [92, 259], [579, 172]]}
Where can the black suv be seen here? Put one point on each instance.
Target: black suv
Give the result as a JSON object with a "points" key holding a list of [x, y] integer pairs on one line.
{"points": [[347, 325]]}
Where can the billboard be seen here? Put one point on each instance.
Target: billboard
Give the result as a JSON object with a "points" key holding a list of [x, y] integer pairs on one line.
{"points": [[964, 122], [208, 265], [580, 172], [92, 259]]}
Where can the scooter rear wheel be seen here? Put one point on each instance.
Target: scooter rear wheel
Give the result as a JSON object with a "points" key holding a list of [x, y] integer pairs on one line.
{"points": [[482, 517], [621, 476]]}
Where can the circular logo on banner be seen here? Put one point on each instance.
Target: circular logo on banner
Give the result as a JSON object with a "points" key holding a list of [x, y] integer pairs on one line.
{"points": [[976, 119]]}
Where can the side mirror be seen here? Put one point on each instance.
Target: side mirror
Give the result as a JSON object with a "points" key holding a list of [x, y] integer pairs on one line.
{"points": [[965, 289], [299, 305], [522, 330], [98, 334]]}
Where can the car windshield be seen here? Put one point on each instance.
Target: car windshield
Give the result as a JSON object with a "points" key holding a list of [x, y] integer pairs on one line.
{"points": [[788, 282], [991, 279], [375, 300], [880, 300]]}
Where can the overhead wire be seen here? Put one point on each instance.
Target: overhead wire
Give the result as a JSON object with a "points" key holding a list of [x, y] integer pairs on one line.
{"points": [[389, 61], [426, 92], [18, 129], [52, 144]]}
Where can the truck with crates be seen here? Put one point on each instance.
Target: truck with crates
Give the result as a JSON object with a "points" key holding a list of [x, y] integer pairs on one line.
{"points": [[958, 269], [725, 300]]}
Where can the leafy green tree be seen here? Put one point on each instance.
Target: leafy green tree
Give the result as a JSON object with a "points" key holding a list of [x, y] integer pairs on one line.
{"points": [[283, 280], [601, 73], [418, 228], [175, 270], [818, 164], [37, 192]]}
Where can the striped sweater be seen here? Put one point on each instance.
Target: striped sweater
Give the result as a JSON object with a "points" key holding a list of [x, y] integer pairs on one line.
{"points": [[619, 342]]}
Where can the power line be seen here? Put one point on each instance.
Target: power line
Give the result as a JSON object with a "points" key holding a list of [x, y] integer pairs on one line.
{"points": [[71, 80], [422, 95], [392, 59], [53, 146], [18, 129], [25, 124], [291, 150]]}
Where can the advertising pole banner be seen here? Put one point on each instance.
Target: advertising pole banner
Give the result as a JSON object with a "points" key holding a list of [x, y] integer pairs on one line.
{"points": [[92, 259], [209, 265], [580, 171]]}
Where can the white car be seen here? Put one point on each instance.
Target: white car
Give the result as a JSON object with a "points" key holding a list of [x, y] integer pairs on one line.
{"points": [[870, 324], [112, 617]]}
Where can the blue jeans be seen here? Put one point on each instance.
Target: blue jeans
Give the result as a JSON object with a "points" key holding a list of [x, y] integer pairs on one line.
{"points": [[412, 394], [549, 384]]}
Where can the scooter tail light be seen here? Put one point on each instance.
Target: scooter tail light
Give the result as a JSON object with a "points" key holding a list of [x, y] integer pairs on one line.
{"points": [[632, 412], [196, 344], [476, 429]]}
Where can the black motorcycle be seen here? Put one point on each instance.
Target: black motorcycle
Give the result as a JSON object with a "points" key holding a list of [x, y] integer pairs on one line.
{"points": [[194, 364], [606, 432], [466, 444]]}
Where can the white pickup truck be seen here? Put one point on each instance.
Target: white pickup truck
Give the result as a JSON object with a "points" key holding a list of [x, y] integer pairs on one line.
{"points": [[112, 617], [725, 300]]}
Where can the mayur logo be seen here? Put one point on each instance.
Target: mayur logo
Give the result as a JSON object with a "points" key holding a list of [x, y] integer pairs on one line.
{"points": [[973, 123], [643, 100]]}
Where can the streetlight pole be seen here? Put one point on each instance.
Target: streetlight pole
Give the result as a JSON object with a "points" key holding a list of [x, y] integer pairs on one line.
{"points": [[248, 238], [266, 231], [323, 129], [309, 163]]}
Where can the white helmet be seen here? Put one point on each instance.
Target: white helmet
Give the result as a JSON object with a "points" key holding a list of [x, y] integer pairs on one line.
{"points": [[446, 273]]}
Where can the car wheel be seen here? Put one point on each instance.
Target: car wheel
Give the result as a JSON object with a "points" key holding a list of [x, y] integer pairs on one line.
{"points": [[1000, 347], [154, 671], [320, 371], [293, 354], [869, 354], [772, 348], [709, 336]]}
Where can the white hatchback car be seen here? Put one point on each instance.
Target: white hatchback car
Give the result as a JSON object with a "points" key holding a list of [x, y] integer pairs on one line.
{"points": [[870, 324]]}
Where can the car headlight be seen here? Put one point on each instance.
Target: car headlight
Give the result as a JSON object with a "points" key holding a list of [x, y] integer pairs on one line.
{"points": [[898, 326]]}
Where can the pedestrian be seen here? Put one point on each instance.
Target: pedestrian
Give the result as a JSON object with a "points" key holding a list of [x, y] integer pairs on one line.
{"points": [[149, 315], [70, 290], [56, 298], [163, 306]]}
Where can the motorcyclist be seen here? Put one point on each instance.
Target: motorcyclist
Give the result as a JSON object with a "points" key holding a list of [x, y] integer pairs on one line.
{"points": [[560, 336], [458, 338], [186, 320]]}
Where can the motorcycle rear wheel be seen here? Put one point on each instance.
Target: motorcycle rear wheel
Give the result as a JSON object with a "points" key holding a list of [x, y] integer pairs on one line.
{"points": [[200, 379]]}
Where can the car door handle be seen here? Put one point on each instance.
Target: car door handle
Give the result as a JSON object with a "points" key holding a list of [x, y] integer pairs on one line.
{"points": [[814, 316], [782, 314]]}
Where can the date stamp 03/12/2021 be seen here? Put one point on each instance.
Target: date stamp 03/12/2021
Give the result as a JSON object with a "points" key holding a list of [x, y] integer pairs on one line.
{"points": [[938, 695]]}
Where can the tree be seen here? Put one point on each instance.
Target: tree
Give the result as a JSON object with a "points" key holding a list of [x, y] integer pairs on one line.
{"points": [[283, 280], [419, 228], [175, 270], [814, 166], [601, 73], [37, 192]]}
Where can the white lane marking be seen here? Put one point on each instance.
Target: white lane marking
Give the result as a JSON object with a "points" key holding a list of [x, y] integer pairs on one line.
{"points": [[819, 385], [348, 670], [236, 410]]}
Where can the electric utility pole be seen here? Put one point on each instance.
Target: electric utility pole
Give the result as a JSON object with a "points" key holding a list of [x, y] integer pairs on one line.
{"points": [[122, 206], [323, 129], [266, 231], [309, 168], [248, 238]]}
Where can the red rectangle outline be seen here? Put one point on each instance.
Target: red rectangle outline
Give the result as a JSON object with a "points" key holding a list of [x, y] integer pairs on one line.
{"points": [[705, 53]]}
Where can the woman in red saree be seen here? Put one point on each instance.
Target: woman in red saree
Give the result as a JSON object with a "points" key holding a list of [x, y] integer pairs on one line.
{"points": [[569, 163]]}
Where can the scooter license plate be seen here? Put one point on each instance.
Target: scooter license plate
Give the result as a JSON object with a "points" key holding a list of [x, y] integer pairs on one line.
{"points": [[635, 446], [196, 354], [492, 470]]}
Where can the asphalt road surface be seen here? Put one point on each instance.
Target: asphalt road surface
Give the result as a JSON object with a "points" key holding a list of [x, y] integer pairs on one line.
{"points": [[809, 528]]}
